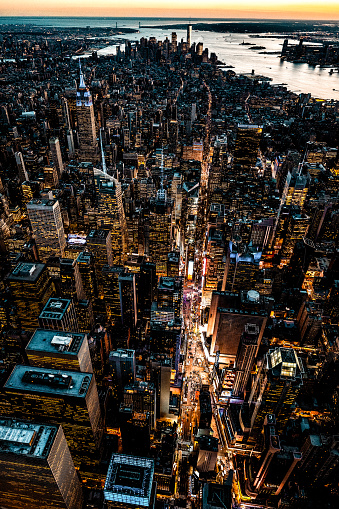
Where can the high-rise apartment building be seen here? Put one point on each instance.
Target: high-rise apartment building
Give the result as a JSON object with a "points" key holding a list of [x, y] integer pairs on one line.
{"points": [[31, 287], [48, 230], [37, 470]]}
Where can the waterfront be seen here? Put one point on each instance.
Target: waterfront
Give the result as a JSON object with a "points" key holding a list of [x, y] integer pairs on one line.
{"points": [[297, 77]]}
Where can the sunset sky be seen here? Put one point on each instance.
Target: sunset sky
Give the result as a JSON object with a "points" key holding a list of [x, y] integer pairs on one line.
{"points": [[300, 9]]}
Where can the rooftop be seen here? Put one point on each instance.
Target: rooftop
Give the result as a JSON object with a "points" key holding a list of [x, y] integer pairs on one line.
{"points": [[26, 438], [55, 308], [43, 380], [29, 272], [129, 480], [55, 341]]}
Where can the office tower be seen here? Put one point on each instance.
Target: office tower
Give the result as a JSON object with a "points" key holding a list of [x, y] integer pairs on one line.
{"points": [[261, 233], [246, 354], [218, 496], [272, 446], [54, 145], [296, 230], [148, 282], [100, 245], [170, 294], [173, 264], [50, 177], [37, 470], [48, 231], [70, 280], [275, 388], [122, 367], [85, 316], [205, 408], [135, 431], [88, 146], [128, 300], [59, 314], [246, 146], [53, 396], [141, 396], [160, 234], [111, 291], [229, 313], [241, 268], [214, 263], [129, 483], [174, 42], [161, 375], [112, 216], [189, 36], [59, 350], [188, 222], [85, 263], [23, 176], [208, 453], [320, 459], [296, 188], [31, 287]]}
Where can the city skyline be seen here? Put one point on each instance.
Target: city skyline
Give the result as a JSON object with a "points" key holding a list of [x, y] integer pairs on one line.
{"points": [[281, 9]]}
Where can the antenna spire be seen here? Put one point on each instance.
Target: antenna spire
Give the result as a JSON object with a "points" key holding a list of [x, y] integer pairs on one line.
{"points": [[82, 81]]}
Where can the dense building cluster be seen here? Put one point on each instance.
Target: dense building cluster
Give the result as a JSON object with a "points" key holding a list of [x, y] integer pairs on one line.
{"points": [[169, 292]]}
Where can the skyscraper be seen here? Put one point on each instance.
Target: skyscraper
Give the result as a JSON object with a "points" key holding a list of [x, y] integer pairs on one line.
{"points": [[31, 287], [48, 230], [247, 145], [129, 483], [59, 350], [54, 145], [59, 314], [37, 470], [189, 36], [160, 231], [53, 396], [88, 146], [112, 215], [246, 353]]}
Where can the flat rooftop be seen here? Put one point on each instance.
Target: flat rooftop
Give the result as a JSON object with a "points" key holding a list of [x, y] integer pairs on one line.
{"points": [[55, 308], [129, 480], [51, 381], [55, 342], [26, 438], [29, 272]]}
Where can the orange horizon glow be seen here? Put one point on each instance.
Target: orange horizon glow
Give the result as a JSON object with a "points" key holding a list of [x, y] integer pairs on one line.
{"points": [[265, 9]]}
